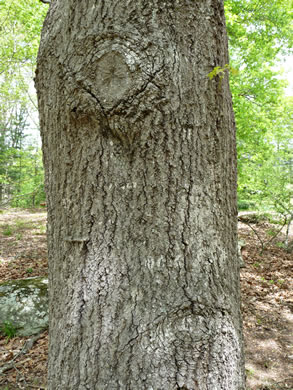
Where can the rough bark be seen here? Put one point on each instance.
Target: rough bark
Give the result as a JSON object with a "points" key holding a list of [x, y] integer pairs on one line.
{"points": [[139, 153]]}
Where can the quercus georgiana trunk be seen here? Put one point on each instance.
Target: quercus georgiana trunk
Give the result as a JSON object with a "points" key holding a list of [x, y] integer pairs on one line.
{"points": [[139, 154]]}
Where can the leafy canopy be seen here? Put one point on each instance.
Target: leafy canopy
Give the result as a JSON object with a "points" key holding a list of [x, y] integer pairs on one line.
{"points": [[259, 31]]}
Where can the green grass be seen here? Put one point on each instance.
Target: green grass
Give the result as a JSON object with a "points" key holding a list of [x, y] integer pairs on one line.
{"points": [[245, 205], [18, 236], [42, 229], [7, 231], [281, 245], [249, 372], [8, 329], [19, 225], [272, 232]]}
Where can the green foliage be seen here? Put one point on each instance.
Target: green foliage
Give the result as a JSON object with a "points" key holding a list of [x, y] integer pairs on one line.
{"points": [[259, 32], [18, 236], [7, 231], [268, 176], [21, 173], [281, 245], [21, 22], [244, 204], [42, 229], [8, 329], [249, 372], [220, 71], [20, 26], [21, 169]]}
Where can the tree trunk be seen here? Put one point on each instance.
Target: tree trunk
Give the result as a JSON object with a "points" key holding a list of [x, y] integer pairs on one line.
{"points": [[139, 153]]}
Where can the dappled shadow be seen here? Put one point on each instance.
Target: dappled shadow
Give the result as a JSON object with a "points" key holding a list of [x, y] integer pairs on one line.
{"points": [[23, 244], [267, 307]]}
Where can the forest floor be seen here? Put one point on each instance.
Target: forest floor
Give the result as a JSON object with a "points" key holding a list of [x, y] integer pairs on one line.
{"points": [[267, 302]]}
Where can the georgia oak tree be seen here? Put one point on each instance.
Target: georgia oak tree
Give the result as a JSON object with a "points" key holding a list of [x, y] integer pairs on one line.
{"points": [[140, 161]]}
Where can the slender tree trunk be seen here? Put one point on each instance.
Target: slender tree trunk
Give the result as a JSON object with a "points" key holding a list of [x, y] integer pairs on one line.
{"points": [[139, 153], [288, 230]]}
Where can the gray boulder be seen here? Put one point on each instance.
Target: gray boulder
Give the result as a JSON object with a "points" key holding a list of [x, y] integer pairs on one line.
{"points": [[24, 305], [241, 244]]}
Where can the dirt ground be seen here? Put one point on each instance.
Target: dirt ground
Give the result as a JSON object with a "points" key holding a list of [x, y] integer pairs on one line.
{"points": [[267, 303]]}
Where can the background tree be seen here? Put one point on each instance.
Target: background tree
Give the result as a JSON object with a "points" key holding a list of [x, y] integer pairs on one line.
{"points": [[11, 142], [21, 168], [270, 187], [139, 151], [20, 23], [259, 34]]}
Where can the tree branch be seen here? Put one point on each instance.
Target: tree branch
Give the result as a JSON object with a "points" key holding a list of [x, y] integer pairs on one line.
{"points": [[27, 346], [264, 244]]}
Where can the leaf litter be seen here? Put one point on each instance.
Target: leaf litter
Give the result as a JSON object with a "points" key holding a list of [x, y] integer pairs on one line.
{"points": [[267, 304]]}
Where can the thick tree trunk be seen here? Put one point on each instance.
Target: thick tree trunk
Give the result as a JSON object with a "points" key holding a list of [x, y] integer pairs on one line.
{"points": [[139, 152]]}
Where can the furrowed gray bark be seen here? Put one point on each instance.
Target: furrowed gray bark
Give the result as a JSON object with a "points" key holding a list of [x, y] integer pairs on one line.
{"points": [[140, 161]]}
